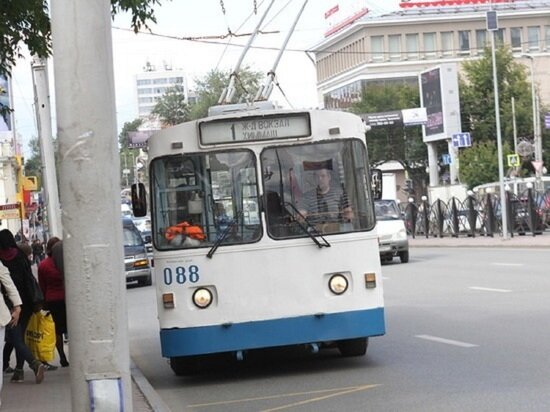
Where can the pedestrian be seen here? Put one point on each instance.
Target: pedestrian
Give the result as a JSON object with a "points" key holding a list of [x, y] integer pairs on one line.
{"points": [[37, 251], [21, 274], [10, 310], [51, 282], [8, 346]]}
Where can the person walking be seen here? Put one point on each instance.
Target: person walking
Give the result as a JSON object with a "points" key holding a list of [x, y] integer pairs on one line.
{"points": [[10, 310], [21, 274], [51, 281]]}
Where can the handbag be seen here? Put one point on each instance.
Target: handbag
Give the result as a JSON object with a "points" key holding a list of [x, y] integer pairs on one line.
{"points": [[40, 336]]}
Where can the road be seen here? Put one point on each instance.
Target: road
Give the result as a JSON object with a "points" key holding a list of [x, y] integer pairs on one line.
{"points": [[467, 330]]}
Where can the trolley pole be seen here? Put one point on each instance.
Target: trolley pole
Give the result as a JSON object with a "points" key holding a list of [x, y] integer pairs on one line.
{"points": [[90, 190]]}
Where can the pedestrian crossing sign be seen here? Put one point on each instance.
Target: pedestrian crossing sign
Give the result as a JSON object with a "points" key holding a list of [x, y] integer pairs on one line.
{"points": [[513, 160]]}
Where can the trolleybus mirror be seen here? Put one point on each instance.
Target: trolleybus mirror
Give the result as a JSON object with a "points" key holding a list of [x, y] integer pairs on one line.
{"points": [[376, 183], [139, 200]]}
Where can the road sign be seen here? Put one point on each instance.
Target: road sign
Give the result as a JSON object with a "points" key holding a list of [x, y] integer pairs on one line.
{"points": [[446, 159], [547, 120], [492, 20], [513, 160], [461, 139]]}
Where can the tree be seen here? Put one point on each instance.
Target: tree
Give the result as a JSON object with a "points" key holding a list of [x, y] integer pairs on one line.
{"points": [[477, 99], [171, 107], [479, 163], [33, 164], [28, 22], [209, 89], [402, 144]]}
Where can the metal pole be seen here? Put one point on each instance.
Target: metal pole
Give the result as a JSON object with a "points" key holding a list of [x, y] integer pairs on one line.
{"points": [[43, 119], [499, 143], [514, 125], [90, 191]]}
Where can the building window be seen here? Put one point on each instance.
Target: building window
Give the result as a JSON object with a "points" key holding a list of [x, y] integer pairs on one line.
{"points": [[533, 36], [515, 39], [546, 38], [499, 37], [160, 81], [377, 48], [481, 41], [142, 82], [411, 45], [464, 42], [145, 90], [447, 43], [429, 44], [394, 46]]}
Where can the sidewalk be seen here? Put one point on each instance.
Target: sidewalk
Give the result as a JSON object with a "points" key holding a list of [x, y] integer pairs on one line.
{"points": [[54, 393], [526, 241]]}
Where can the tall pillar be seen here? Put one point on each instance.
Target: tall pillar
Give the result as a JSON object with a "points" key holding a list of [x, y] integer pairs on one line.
{"points": [[432, 164]]}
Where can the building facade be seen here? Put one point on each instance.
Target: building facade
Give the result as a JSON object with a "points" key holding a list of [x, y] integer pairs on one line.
{"points": [[152, 84], [396, 47]]}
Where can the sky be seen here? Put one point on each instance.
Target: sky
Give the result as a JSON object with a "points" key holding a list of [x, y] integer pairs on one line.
{"points": [[176, 18]]}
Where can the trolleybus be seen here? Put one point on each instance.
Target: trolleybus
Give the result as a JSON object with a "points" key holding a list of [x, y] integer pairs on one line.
{"points": [[248, 253]]}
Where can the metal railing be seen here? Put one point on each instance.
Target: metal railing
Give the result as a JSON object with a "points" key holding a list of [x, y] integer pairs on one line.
{"points": [[527, 213]]}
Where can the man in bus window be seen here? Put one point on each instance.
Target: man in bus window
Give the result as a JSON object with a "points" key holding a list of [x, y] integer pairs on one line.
{"points": [[327, 203]]}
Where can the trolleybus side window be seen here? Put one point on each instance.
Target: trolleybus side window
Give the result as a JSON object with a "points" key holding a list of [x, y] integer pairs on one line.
{"points": [[199, 197], [320, 187]]}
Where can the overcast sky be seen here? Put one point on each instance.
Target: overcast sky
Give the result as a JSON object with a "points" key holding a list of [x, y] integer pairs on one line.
{"points": [[177, 18]]}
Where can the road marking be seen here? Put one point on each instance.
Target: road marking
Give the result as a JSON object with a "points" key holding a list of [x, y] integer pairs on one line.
{"points": [[489, 289], [321, 398], [507, 264], [446, 341], [338, 391]]}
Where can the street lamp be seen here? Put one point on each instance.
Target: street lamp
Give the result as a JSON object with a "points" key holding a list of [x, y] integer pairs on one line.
{"points": [[536, 134]]}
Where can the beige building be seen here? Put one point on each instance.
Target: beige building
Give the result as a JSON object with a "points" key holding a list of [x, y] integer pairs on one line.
{"points": [[396, 47]]}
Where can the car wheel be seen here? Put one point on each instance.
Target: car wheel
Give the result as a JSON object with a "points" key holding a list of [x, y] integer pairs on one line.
{"points": [[404, 256]]}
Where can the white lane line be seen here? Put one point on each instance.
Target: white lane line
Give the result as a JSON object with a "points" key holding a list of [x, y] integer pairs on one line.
{"points": [[447, 341], [507, 264], [489, 289]]}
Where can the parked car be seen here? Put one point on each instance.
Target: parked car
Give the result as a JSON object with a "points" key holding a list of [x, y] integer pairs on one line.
{"points": [[392, 235], [136, 261]]}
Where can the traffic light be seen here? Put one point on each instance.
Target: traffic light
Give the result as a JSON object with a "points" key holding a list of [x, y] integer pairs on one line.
{"points": [[408, 185]]}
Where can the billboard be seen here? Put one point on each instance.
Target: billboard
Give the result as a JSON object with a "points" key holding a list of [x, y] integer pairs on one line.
{"points": [[5, 104], [439, 96]]}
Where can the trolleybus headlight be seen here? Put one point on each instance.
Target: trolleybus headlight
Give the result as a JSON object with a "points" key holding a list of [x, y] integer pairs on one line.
{"points": [[338, 284], [202, 298]]}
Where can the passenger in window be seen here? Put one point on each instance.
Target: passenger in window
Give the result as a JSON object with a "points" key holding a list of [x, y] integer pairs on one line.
{"points": [[327, 203]]}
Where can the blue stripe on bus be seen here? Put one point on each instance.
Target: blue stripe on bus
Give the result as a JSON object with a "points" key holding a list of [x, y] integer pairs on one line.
{"points": [[270, 333]]}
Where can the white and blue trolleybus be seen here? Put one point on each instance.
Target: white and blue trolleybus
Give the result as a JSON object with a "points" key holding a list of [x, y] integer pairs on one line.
{"points": [[263, 231]]}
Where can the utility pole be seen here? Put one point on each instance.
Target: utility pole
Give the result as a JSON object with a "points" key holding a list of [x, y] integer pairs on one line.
{"points": [[90, 192], [44, 120]]}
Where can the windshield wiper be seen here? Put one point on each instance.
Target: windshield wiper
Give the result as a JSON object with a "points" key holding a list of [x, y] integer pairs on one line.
{"points": [[309, 229], [224, 234]]}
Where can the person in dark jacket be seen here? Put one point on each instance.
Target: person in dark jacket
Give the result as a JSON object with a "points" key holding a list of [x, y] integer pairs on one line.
{"points": [[20, 271]]}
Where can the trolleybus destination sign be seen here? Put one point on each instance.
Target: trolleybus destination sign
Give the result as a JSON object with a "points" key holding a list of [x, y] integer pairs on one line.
{"points": [[255, 128]]}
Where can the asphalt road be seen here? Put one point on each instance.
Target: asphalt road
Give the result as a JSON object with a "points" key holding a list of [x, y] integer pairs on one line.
{"points": [[467, 330]]}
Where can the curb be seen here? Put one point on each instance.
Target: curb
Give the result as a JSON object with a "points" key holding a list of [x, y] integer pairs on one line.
{"points": [[148, 392]]}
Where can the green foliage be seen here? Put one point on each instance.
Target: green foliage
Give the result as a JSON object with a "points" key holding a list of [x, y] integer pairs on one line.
{"points": [[477, 97], [394, 143], [33, 164], [210, 87], [479, 163], [171, 107], [28, 22]]}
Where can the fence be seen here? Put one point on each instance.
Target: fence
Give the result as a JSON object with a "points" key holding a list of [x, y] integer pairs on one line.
{"points": [[527, 213]]}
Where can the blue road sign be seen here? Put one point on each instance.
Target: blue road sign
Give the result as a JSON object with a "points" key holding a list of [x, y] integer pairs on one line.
{"points": [[446, 159], [461, 139], [492, 20], [547, 120]]}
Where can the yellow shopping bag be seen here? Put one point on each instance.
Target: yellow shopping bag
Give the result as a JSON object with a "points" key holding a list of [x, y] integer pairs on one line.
{"points": [[40, 336]]}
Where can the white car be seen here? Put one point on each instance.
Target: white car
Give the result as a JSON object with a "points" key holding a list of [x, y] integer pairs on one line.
{"points": [[392, 235]]}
